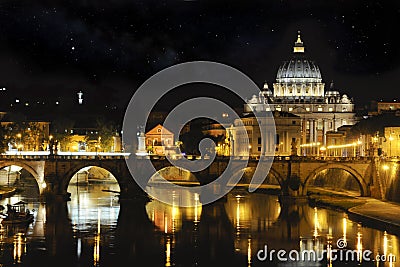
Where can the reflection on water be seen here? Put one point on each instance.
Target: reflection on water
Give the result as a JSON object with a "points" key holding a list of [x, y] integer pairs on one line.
{"points": [[95, 229], [93, 212], [168, 218]]}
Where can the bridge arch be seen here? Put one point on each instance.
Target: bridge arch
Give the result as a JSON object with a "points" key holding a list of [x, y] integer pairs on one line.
{"points": [[76, 168], [358, 177], [28, 168], [251, 170], [174, 174]]}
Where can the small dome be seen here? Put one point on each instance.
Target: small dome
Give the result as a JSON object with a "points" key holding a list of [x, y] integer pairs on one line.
{"points": [[346, 100], [332, 91], [253, 100], [266, 91]]}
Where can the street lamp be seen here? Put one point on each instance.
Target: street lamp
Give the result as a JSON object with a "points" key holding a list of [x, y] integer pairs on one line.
{"points": [[19, 143], [322, 150], [390, 145], [303, 126], [49, 143], [375, 140], [360, 152]]}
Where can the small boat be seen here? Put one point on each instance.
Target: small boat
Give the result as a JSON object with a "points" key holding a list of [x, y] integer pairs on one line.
{"points": [[17, 214]]}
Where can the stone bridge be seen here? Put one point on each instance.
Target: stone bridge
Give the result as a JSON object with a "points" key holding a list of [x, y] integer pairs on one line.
{"points": [[293, 174]]}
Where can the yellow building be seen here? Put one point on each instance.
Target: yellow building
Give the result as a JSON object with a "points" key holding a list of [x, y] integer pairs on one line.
{"points": [[391, 143], [284, 142], [81, 143], [388, 106], [160, 141]]}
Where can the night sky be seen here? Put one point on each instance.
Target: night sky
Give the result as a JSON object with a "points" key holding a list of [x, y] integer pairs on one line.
{"points": [[49, 50]]}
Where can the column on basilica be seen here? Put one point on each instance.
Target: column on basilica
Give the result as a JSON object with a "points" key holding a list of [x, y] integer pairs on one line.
{"points": [[304, 133], [315, 148], [324, 127], [271, 147]]}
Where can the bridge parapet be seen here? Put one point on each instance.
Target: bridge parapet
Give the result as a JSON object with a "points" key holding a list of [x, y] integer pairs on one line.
{"points": [[57, 170]]}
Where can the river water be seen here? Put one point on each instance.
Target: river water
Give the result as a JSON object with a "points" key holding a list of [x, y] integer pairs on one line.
{"points": [[95, 229]]}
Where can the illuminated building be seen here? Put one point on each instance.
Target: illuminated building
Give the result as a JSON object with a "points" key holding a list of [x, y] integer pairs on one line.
{"points": [[160, 141], [26, 135], [288, 127], [380, 107], [299, 89], [391, 143]]}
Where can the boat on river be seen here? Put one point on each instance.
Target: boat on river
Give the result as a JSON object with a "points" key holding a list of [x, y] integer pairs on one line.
{"points": [[17, 214]]}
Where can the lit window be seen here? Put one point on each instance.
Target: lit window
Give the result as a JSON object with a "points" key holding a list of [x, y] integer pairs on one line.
{"points": [[278, 109], [319, 109], [308, 109], [330, 109], [290, 109]]}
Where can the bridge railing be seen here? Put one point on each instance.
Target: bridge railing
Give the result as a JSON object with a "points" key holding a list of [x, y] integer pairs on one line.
{"points": [[45, 155], [42, 155]]}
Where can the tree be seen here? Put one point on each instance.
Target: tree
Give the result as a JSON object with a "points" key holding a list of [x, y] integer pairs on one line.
{"points": [[61, 131], [106, 131], [374, 124], [191, 140], [3, 139]]}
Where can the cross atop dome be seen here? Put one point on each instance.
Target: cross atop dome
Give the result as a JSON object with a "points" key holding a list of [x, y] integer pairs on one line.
{"points": [[298, 45]]}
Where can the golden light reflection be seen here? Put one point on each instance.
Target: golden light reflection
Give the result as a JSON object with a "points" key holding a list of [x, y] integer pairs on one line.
{"points": [[316, 222], [319, 221], [344, 228], [168, 218], [247, 215], [96, 248], [196, 207], [359, 246], [19, 247], [329, 248], [238, 215], [175, 216], [385, 243], [168, 252], [240, 212], [390, 258], [249, 252]]}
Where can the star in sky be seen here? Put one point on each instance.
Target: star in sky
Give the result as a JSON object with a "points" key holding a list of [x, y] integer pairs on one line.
{"points": [[57, 46]]}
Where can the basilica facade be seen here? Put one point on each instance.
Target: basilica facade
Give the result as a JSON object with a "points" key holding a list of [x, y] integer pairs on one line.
{"points": [[300, 90]]}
